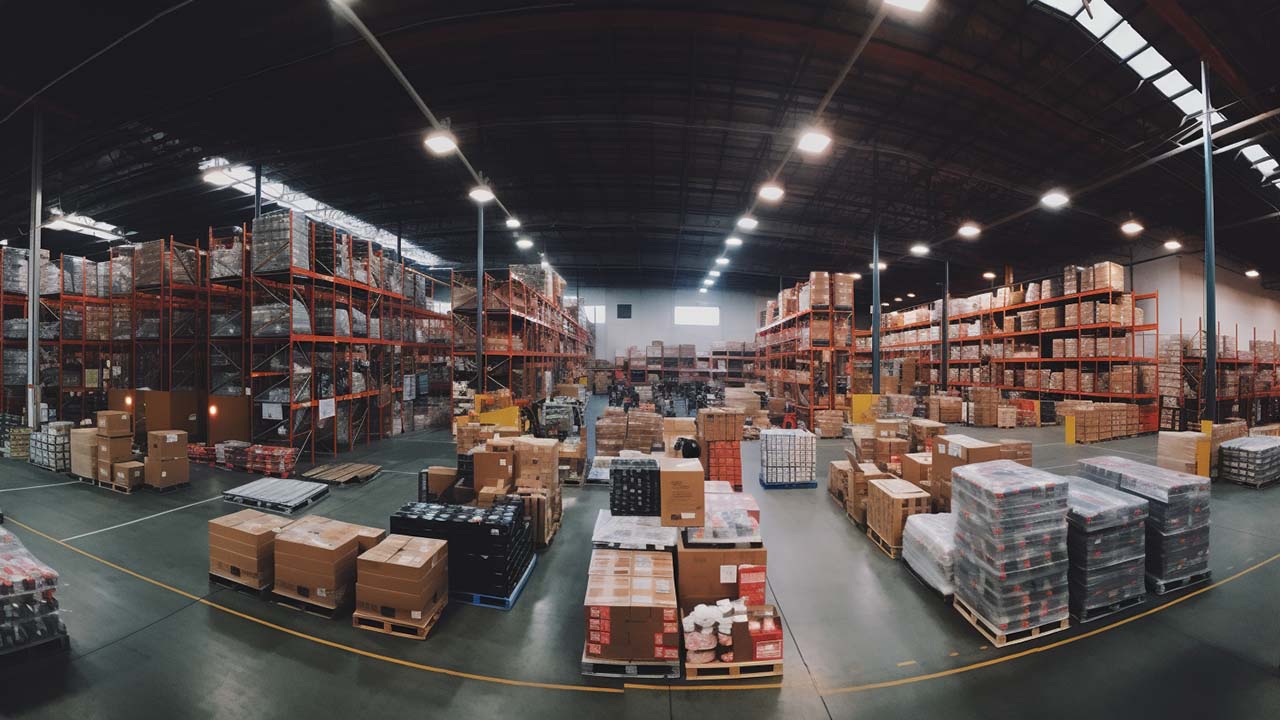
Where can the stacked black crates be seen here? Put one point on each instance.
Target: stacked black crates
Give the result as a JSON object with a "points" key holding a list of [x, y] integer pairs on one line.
{"points": [[489, 548], [636, 488], [1178, 525], [1253, 461], [1106, 538]]}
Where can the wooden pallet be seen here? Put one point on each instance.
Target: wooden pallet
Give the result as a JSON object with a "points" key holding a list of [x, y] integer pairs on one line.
{"points": [[412, 629], [650, 669], [231, 583], [551, 536], [492, 601], [301, 604], [733, 671], [884, 546], [122, 489], [1085, 615], [1164, 587], [343, 473], [169, 488], [839, 501], [999, 638]]}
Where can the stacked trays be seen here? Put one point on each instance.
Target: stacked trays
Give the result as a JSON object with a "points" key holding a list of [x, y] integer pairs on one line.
{"points": [[1178, 526], [929, 548], [1011, 543], [1251, 461], [1106, 539], [788, 457], [637, 487], [489, 548]]}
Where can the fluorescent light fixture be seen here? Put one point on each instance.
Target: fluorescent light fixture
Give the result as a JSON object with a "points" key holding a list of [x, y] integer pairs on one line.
{"points": [[481, 194], [708, 282], [1172, 245], [524, 243], [912, 5], [733, 241], [722, 261], [988, 276], [1266, 167], [911, 295], [1149, 63], [813, 141], [919, 249], [897, 299], [857, 276], [1054, 199], [702, 290], [969, 231], [4, 242], [883, 266], [513, 223], [770, 192], [82, 224], [1131, 227], [1251, 273], [714, 273], [440, 142], [884, 304], [546, 265], [746, 222]]}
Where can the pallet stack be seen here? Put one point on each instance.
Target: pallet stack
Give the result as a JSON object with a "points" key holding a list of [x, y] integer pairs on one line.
{"points": [[630, 608], [889, 503], [945, 409], [1178, 524], [1106, 541], [242, 547], [1011, 549], [719, 431], [828, 423], [986, 406], [31, 611], [929, 549], [51, 447], [1251, 461], [788, 459], [402, 586]]}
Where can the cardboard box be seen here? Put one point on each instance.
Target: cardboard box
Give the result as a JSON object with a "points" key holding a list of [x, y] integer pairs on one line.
{"points": [[537, 462], [917, 468], [890, 449], [242, 546], [890, 503], [102, 471], [84, 452], [114, 423], [539, 508], [435, 480], [723, 424], [683, 500], [165, 473], [631, 563], [710, 574], [887, 428], [167, 444], [760, 645], [315, 560], [839, 477], [1018, 451], [952, 451], [129, 474], [117, 449], [493, 469], [631, 618], [403, 578]]}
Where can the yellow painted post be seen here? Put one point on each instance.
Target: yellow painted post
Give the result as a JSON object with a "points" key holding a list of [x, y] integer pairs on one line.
{"points": [[1070, 426], [1203, 448], [862, 408]]}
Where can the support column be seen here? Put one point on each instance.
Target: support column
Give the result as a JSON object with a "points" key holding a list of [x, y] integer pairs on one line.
{"points": [[257, 190], [1210, 263], [875, 275], [480, 370], [946, 324], [33, 272]]}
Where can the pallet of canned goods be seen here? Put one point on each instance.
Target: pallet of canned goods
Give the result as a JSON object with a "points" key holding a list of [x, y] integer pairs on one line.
{"points": [[1252, 461], [788, 459]]}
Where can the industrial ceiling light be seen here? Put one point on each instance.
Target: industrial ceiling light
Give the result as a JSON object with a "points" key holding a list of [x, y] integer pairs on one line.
{"points": [[857, 276], [873, 267], [969, 231], [702, 290], [441, 142], [919, 249], [733, 241], [770, 192], [911, 295], [1131, 228], [83, 224], [988, 276], [714, 273], [722, 261], [708, 282], [1251, 273], [546, 265], [4, 242], [884, 304], [481, 194], [897, 299], [1172, 245], [513, 223], [524, 243], [746, 222], [813, 141], [1054, 199], [912, 5]]}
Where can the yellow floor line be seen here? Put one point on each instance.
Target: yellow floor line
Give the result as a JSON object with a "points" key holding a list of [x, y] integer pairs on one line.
{"points": [[638, 686]]}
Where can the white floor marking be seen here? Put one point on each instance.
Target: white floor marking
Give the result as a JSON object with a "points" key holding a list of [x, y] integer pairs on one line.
{"points": [[37, 487], [399, 472], [131, 522]]}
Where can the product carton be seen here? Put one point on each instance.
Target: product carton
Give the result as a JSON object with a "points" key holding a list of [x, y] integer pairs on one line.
{"points": [[403, 578], [114, 423], [493, 469], [117, 449], [683, 501], [166, 473], [167, 444], [84, 452], [129, 474], [242, 547], [710, 574]]}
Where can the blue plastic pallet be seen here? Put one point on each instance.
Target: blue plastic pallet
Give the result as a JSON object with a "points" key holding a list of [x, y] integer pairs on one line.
{"points": [[787, 485], [497, 603]]}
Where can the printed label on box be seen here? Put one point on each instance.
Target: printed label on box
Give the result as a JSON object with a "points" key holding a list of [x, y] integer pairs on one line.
{"points": [[728, 574], [415, 615]]}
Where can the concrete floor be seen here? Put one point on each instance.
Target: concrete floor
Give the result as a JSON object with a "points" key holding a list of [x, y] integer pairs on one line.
{"points": [[151, 638]]}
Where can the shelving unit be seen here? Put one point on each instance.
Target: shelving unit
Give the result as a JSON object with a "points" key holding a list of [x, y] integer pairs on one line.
{"points": [[734, 363], [74, 335], [808, 358], [423, 358], [1246, 378]]}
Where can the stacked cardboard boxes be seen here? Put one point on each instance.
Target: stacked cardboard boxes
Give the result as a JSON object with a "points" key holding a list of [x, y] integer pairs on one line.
{"points": [[828, 423], [166, 463], [787, 458], [242, 547], [115, 443], [724, 461], [403, 578], [986, 403], [950, 452], [922, 432], [839, 478], [1177, 450], [84, 453], [945, 408], [855, 503], [315, 560], [630, 608], [889, 503], [1018, 451]]}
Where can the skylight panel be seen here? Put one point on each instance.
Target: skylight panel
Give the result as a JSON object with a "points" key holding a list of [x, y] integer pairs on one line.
{"points": [[1172, 84], [1149, 63], [1070, 7], [1268, 166], [1254, 153], [1124, 40], [1190, 102], [1104, 18]]}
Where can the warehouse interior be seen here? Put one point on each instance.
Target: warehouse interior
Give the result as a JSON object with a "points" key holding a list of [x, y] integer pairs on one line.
{"points": [[820, 359]]}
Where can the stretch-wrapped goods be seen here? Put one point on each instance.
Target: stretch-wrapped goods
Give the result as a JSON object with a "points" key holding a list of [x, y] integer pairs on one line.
{"points": [[929, 547], [1250, 460], [1106, 540]]}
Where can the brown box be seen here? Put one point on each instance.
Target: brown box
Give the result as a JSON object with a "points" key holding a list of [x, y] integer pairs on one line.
{"points": [[710, 574], [167, 444], [315, 560], [537, 462], [716, 424], [114, 423], [129, 474], [166, 473], [440, 478], [1018, 451], [890, 503], [117, 449], [890, 450], [84, 452], [888, 428], [242, 547], [103, 471], [917, 468], [922, 432], [403, 578], [488, 495], [839, 477], [539, 508], [952, 451], [683, 495], [493, 469], [631, 618]]}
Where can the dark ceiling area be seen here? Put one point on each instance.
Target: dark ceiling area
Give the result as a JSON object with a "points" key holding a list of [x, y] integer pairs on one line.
{"points": [[628, 136]]}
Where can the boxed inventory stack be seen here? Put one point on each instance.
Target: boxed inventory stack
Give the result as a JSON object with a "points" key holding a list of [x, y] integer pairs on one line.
{"points": [[1011, 550], [720, 432], [636, 488], [1106, 541], [167, 464], [315, 560], [889, 503], [787, 459], [630, 607], [986, 405], [929, 549], [945, 408], [402, 586], [950, 452], [828, 423], [28, 585], [1177, 450], [51, 447], [242, 547], [1178, 524], [1252, 461], [490, 549]]}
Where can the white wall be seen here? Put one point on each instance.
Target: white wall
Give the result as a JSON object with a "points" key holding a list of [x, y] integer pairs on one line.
{"points": [[1243, 305], [652, 317]]}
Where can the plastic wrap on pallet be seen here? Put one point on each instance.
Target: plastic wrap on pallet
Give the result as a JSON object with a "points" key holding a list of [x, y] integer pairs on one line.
{"points": [[725, 525], [1178, 501], [15, 328], [97, 323], [1250, 460], [281, 239], [272, 319], [149, 263], [122, 270], [15, 366], [50, 275], [121, 327], [929, 547], [395, 278], [1106, 543], [73, 275], [14, 269], [787, 456], [90, 278], [375, 270], [147, 324], [359, 323], [1093, 506], [72, 324], [226, 261], [49, 329], [226, 323], [104, 279], [632, 532]]}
